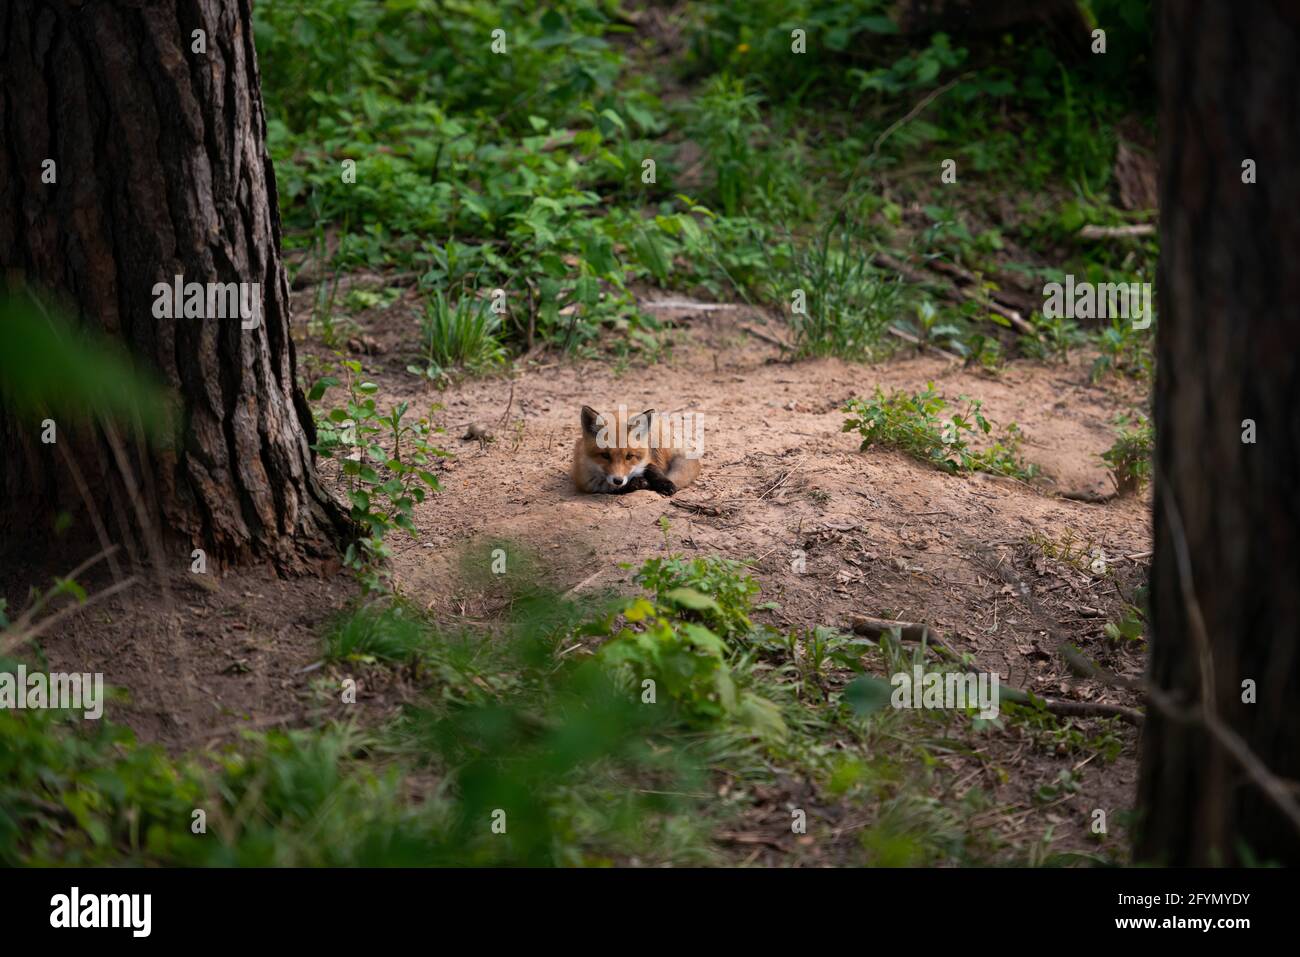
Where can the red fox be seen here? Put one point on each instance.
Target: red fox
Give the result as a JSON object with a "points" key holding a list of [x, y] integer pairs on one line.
{"points": [[617, 454]]}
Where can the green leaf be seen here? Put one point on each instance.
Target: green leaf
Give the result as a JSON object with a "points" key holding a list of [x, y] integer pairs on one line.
{"points": [[692, 599], [50, 365], [319, 387], [867, 695]]}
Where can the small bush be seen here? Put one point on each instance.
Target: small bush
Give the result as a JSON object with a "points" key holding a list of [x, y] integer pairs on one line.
{"points": [[1130, 457], [915, 424]]}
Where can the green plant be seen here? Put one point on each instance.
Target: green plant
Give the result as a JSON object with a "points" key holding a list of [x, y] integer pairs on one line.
{"points": [[377, 632], [385, 460], [839, 303], [1131, 627], [1129, 458], [915, 424], [1124, 350], [684, 583], [1056, 336], [460, 335]]}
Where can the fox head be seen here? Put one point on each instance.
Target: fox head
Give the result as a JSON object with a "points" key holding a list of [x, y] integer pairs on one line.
{"points": [[616, 449]]}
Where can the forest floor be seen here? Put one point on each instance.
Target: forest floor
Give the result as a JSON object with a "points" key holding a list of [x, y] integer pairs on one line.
{"points": [[1001, 568]]}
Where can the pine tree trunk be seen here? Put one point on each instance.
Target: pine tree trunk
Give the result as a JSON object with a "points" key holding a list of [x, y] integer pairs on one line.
{"points": [[161, 170], [1227, 345]]}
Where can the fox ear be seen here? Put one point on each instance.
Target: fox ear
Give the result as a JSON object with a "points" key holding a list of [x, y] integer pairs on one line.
{"points": [[640, 424], [591, 420]]}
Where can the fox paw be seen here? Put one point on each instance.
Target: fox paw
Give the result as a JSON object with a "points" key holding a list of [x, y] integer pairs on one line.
{"points": [[661, 484]]}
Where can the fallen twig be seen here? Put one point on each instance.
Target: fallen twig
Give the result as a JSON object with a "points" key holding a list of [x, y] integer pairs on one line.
{"points": [[954, 293], [911, 631], [1115, 232]]}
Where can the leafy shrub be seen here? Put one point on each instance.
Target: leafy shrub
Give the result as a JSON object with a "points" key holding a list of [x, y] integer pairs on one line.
{"points": [[915, 424], [384, 484], [1129, 457], [723, 581]]}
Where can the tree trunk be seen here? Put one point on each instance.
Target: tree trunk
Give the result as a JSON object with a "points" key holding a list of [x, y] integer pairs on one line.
{"points": [[1227, 342], [161, 170]]}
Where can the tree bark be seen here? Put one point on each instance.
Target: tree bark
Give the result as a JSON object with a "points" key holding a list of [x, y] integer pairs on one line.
{"points": [[1227, 342], [162, 170]]}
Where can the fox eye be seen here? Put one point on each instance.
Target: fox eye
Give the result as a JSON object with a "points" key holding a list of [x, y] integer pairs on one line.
{"points": [[606, 456]]}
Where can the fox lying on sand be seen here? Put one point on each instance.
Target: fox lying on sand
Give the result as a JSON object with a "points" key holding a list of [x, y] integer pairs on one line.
{"points": [[620, 454]]}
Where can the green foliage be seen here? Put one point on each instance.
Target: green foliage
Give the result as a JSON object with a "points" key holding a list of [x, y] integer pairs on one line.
{"points": [[48, 367], [916, 424], [385, 458], [577, 758], [687, 583], [754, 40], [1129, 458], [848, 303], [460, 335], [1124, 350], [1056, 337], [377, 632], [1131, 626]]}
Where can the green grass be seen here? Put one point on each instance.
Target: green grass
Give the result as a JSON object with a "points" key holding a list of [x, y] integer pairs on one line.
{"points": [[921, 425], [461, 335], [608, 755]]}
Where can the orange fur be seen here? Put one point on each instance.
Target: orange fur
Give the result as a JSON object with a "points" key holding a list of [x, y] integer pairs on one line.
{"points": [[614, 452]]}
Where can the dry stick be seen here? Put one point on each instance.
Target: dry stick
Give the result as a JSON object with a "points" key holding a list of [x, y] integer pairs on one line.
{"points": [[907, 631], [1274, 788], [505, 416], [25, 619], [967, 278], [97, 520], [955, 293], [766, 337], [1112, 232], [586, 581], [908, 337], [782, 480], [914, 113], [914, 632], [697, 507], [153, 540]]}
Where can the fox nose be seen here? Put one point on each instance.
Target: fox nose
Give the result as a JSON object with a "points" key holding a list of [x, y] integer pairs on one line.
{"points": [[618, 480]]}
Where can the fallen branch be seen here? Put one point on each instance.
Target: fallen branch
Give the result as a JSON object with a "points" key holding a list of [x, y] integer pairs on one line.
{"points": [[697, 507], [765, 336], [1117, 232], [908, 337], [911, 631], [1091, 709], [954, 293], [907, 631], [690, 304]]}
